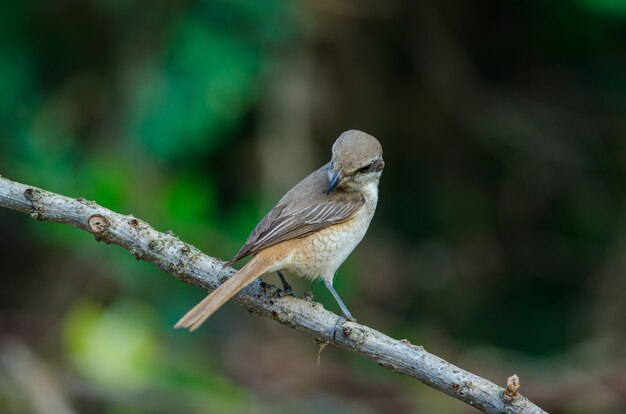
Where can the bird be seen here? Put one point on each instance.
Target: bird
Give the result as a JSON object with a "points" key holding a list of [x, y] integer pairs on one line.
{"points": [[312, 229]]}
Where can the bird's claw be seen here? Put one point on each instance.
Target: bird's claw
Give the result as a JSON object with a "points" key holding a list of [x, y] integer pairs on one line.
{"points": [[340, 321], [285, 292]]}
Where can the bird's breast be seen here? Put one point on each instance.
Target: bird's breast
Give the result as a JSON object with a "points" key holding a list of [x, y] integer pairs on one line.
{"points": [[320, 254]]}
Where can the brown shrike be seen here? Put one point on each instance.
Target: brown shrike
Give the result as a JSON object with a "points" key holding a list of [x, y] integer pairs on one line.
{"points": [[313, 228]]}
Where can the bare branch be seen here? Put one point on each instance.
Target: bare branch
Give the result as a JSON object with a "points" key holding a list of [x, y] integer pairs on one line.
{"points": [[189, 264]]}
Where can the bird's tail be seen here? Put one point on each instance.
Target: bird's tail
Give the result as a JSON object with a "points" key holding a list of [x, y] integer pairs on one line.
{"points": [[199, 313]]}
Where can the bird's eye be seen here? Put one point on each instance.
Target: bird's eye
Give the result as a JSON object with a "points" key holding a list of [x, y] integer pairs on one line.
{"points": [[366, 168]]}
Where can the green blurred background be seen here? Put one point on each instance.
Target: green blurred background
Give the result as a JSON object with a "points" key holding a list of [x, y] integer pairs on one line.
{"points": [[499, 242]]}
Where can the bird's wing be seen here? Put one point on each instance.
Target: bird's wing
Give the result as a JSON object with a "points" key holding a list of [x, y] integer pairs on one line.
{"points": [[282, 223]]}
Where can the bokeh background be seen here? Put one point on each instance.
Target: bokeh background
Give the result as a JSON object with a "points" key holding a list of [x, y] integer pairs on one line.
{"points": [[499, 242]]}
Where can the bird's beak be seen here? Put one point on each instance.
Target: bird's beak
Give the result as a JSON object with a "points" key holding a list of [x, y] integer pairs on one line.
{"points": [[334, 181]]}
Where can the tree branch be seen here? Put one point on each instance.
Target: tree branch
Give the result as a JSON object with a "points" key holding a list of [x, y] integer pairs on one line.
{"points": [[189, 264]]}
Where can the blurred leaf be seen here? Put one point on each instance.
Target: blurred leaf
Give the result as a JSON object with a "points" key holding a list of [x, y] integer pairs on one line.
{"points": [[197, 95], [114, 347], [109, 180], [190, 199]]}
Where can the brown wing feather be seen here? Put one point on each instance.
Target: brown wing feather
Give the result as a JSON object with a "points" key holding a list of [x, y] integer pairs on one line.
{"points": [[278, 225]]}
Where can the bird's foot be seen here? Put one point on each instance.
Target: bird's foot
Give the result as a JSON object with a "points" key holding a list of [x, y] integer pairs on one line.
{"points": [[340, 321], [285, 292]]}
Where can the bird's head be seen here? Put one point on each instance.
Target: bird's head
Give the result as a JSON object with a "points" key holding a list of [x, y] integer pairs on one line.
{"points": [[357, 161]]}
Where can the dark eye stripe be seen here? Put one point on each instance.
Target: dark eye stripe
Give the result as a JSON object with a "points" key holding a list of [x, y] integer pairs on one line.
{"points": [[367, 168]]}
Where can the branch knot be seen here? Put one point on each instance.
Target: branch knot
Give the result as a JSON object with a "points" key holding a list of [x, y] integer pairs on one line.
{"points": [[512, 388], [98, 224], [33, 195]]}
